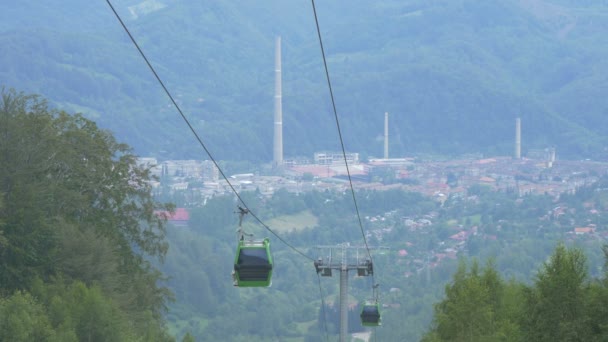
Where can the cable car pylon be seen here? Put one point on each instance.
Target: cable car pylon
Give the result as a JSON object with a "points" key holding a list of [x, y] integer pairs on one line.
{"points": [[342, 262]]}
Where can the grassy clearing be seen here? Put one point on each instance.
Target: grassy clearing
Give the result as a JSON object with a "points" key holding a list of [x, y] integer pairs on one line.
{"points": [[452, 222], [475, 219], [303, 327], [297, 222]]}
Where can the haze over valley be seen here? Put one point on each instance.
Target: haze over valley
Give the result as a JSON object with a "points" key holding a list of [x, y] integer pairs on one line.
{"points": [[454, 75], [462, 140]]}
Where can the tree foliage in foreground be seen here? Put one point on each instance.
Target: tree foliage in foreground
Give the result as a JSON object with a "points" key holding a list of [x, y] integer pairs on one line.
{"points": [[563, 304], [77, 230]]}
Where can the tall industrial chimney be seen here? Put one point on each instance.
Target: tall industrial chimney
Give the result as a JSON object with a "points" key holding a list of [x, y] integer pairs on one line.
{"points": [[386, 135], [517, 138], [278, 108]]}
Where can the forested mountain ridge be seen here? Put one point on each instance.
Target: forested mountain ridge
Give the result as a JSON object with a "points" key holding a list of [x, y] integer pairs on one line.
{"points": [[452, 74]]}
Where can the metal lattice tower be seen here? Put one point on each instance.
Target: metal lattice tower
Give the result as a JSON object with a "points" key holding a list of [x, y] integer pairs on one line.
{"points": [[344, 258]]}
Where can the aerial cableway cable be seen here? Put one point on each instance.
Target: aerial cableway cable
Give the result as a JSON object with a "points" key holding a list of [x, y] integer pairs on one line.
{"points": [[202, 144], [209, 153], [333, 103], [375, 308], [200, 141]]}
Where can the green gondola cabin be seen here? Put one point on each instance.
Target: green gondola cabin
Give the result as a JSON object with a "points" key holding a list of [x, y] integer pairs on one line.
{"points": [[370, 314], [253, 264]]}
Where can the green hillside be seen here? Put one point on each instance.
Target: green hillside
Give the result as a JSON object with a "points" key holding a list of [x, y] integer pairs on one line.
{"points": [[452, 74]]}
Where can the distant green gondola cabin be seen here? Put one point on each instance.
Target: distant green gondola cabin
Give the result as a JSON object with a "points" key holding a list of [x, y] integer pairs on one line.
{"points": [[370, 314], [253, 264]]}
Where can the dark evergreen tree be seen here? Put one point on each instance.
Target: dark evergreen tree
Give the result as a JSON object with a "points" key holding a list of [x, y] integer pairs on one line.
{"points": [[555, 305]]}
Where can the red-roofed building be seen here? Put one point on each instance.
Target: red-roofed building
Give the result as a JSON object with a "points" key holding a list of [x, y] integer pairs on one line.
{"points": [[460, 236], [180, 217], [583, 230]]}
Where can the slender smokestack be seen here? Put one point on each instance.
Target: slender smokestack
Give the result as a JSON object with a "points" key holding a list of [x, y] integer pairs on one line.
{"points": [[517, 138], [278, 108], [386, 135]]}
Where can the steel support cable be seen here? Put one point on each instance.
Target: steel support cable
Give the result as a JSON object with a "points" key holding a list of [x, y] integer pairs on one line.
{"points": [[323, 308], [200, 141], [333, 103]]}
